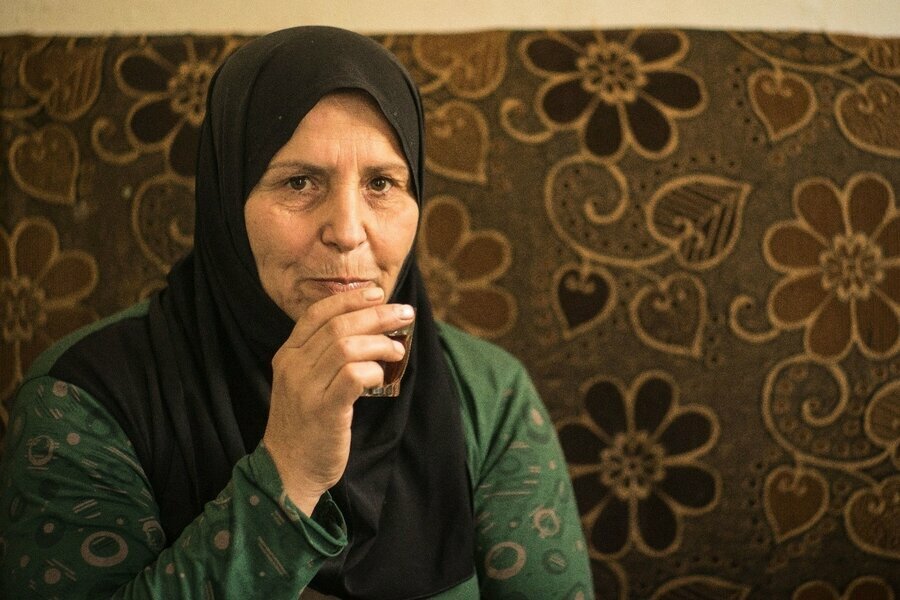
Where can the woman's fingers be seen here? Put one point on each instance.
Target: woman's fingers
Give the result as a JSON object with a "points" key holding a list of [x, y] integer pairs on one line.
{"points": [[356, 360], [322, 312], [316, 351], [350, 381], [347, 314]]}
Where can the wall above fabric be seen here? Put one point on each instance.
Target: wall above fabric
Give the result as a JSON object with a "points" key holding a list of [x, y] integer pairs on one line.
{"points": [[871, 17]]}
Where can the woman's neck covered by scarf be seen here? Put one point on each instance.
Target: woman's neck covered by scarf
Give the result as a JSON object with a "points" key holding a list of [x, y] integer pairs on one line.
{"points": [[405, 492]]}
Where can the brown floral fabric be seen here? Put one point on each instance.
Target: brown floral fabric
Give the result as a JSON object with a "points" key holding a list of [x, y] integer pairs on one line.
{"points": [[842, 259], [691, 239], [40, 290], [646, 474], [617, 88], [461, 267]]}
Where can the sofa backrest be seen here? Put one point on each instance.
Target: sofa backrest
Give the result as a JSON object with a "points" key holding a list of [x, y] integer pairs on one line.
{"points": [[691, 239]]}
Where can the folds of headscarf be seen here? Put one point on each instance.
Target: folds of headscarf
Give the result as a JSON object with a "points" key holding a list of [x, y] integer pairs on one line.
{"points": [[213, 332]]}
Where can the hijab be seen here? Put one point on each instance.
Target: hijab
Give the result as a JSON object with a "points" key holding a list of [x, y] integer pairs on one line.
{"points": [[204, 372]]}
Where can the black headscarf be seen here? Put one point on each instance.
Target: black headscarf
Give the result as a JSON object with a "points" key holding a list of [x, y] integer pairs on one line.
{"points": [[213, 332]]}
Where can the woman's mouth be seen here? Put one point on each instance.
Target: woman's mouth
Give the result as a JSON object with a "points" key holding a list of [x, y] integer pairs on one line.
{"points": [[339, 285]]}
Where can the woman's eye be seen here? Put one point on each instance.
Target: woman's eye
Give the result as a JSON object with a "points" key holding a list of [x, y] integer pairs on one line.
{"points": [[299, 182], [380, 184]]}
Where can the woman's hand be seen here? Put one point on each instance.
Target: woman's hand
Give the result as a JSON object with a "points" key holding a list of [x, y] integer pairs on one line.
{"points": [[318, 374]]}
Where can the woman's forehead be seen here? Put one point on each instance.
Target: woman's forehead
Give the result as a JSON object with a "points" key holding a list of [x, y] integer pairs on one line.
{"points": [[343, 119], [348, 105]]}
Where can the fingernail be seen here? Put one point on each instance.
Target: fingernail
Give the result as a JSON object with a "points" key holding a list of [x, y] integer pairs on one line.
{"points": [[405, 311], [375, 293], [399, 347]]}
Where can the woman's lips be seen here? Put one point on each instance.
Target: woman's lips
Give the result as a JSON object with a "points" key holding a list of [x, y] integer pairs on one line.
{"points": [[336, 286]]}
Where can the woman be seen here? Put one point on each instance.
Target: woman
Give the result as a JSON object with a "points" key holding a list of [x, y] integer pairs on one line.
{"points": [[213, 442]]}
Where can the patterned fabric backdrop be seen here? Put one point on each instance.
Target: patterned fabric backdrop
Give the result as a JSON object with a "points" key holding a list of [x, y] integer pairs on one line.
{"points": [[692, 239]]}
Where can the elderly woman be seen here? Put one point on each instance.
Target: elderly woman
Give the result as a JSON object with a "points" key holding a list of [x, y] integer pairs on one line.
{"points": [[216, 441]]}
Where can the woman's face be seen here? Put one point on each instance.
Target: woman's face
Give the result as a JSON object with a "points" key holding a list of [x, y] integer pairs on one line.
{"points": [[335, 209]]}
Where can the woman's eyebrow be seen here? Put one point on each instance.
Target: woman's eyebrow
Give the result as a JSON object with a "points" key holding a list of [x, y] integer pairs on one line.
{"points": [[312, 169], [393, 167]]}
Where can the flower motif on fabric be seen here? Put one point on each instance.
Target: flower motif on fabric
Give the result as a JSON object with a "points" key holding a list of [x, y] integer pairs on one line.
{"points": [[169, 80], [619, 89], [632, 456], [841, 257], [461, 267], [40, 290]]}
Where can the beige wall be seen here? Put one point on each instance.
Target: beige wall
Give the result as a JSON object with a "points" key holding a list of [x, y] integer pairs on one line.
{"points": [[880, 17]]}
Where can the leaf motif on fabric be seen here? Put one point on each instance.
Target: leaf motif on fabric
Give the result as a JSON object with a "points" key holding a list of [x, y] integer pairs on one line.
{"points": [[882, 54], [699, 217], [66, 80], [15, 102], [796, 49], [471, 65]]}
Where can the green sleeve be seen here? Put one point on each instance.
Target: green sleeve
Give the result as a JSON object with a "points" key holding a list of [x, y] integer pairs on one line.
{"points": [[78, 519], [529, 540]]}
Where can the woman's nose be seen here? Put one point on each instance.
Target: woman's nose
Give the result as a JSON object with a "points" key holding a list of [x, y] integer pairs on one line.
{"points": [[343, 227]]}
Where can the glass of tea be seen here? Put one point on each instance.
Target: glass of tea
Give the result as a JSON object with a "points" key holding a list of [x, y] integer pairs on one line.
{"points": [[393, 371]]}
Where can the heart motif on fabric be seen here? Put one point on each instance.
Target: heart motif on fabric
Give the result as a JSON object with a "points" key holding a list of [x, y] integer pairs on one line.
{"points": [[472, 65], [66, 80], [794, 499], [671, 315], [45, 164], [870, 116], [583, 298], [456, 142], [872, 517], [785, 102], [162, 218]]}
